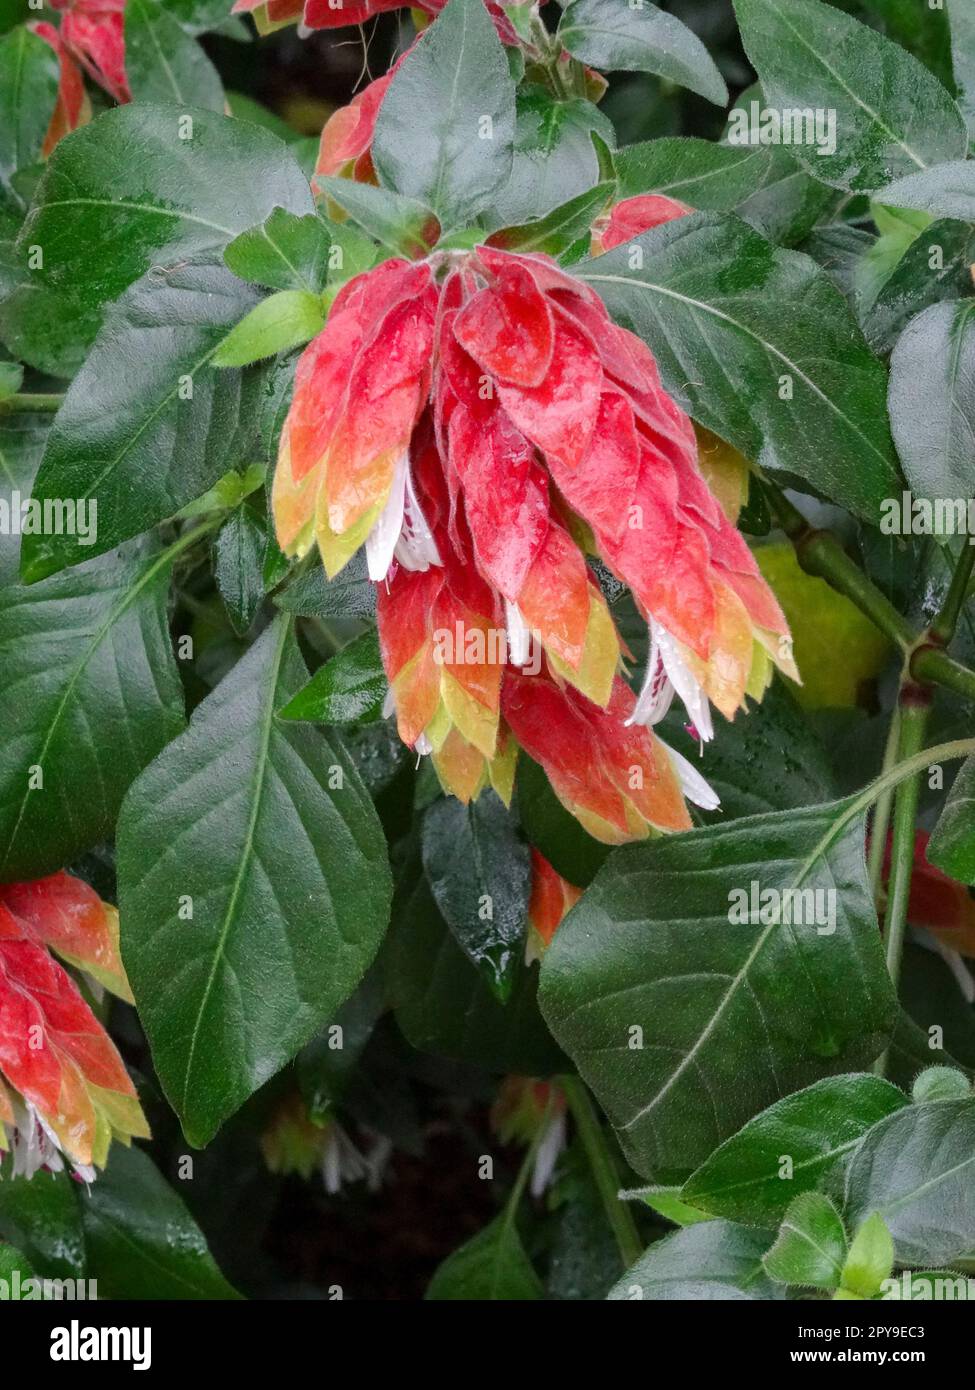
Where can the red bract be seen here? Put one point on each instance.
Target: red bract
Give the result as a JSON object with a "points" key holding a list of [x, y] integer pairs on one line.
{"points": [[633, 216], [338, 14], [551, 898], [72, 1092], [93, 32], [72, 108], [479, 422]]}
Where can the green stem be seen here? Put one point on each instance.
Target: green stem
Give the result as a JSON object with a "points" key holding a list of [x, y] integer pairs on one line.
{"points": [[819, 553], [881, 816], [604, 1170], [913, 723], [943, 628], [931, 665], [26, 401]]}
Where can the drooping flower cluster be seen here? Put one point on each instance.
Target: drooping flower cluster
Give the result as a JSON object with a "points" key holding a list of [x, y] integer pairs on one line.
{"points": [[293, 1142], [531, 1112], [478, 421], [64, 1091]]}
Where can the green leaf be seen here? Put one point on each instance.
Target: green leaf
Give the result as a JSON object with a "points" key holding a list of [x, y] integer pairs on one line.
{"points": [[667, 1203], [142, 185], [571, 851], [810, 1248], [23, 435], [41, 1218], [555, 157], [444, 1004], [285, 252], [146, 426], [935, 266], [561, 228], [91, 694], [790, 1148], [403, 225], [162, 61], [238, 561], [279, 323], [15, 1271], [685, 1018], [952, 845], [28, 91], [916, 1169], [961, 19], [142, 1241], [892, 116], [705, 175], [946, 190], [282, 859], [932, 405], [348, 689], [492, 1265], [446, 125], [870, 1259], [617, 35], [733, 322], [350, 594], [710, 1261], [480, 875], [11, 379]]}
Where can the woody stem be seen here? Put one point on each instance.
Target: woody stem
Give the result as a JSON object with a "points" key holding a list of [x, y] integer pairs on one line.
{"points": [[604, 1169]]}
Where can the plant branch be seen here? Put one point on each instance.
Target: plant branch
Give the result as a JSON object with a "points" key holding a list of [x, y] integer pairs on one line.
{"points": [[881, 816], [912, 723], [26, 401], [819, 553], [604, 1170], [943, 628]]}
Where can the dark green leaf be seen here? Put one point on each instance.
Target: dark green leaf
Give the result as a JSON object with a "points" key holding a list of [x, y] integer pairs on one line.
{"points": [[734, 322], [279, 323], [28, 91], [713, 1260], [961, 19], [480, 875], [91, 693], [285, 252], [916, 1169], [810, 1248], [162, 61], [142, 185], [952, 846], [266, 832], [142, 1242], [146, 425], [23, 436], [932, 401], [42, 1219], [561, 228], [446, 125], [554, 157], [444, 1004], [686, 1014], [403, 225], [619, 35], [348, 689], [491, 1266], [715, 178], [789, 1148], [238, 561], [892, 116], [935, 266], [350, 594]]}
